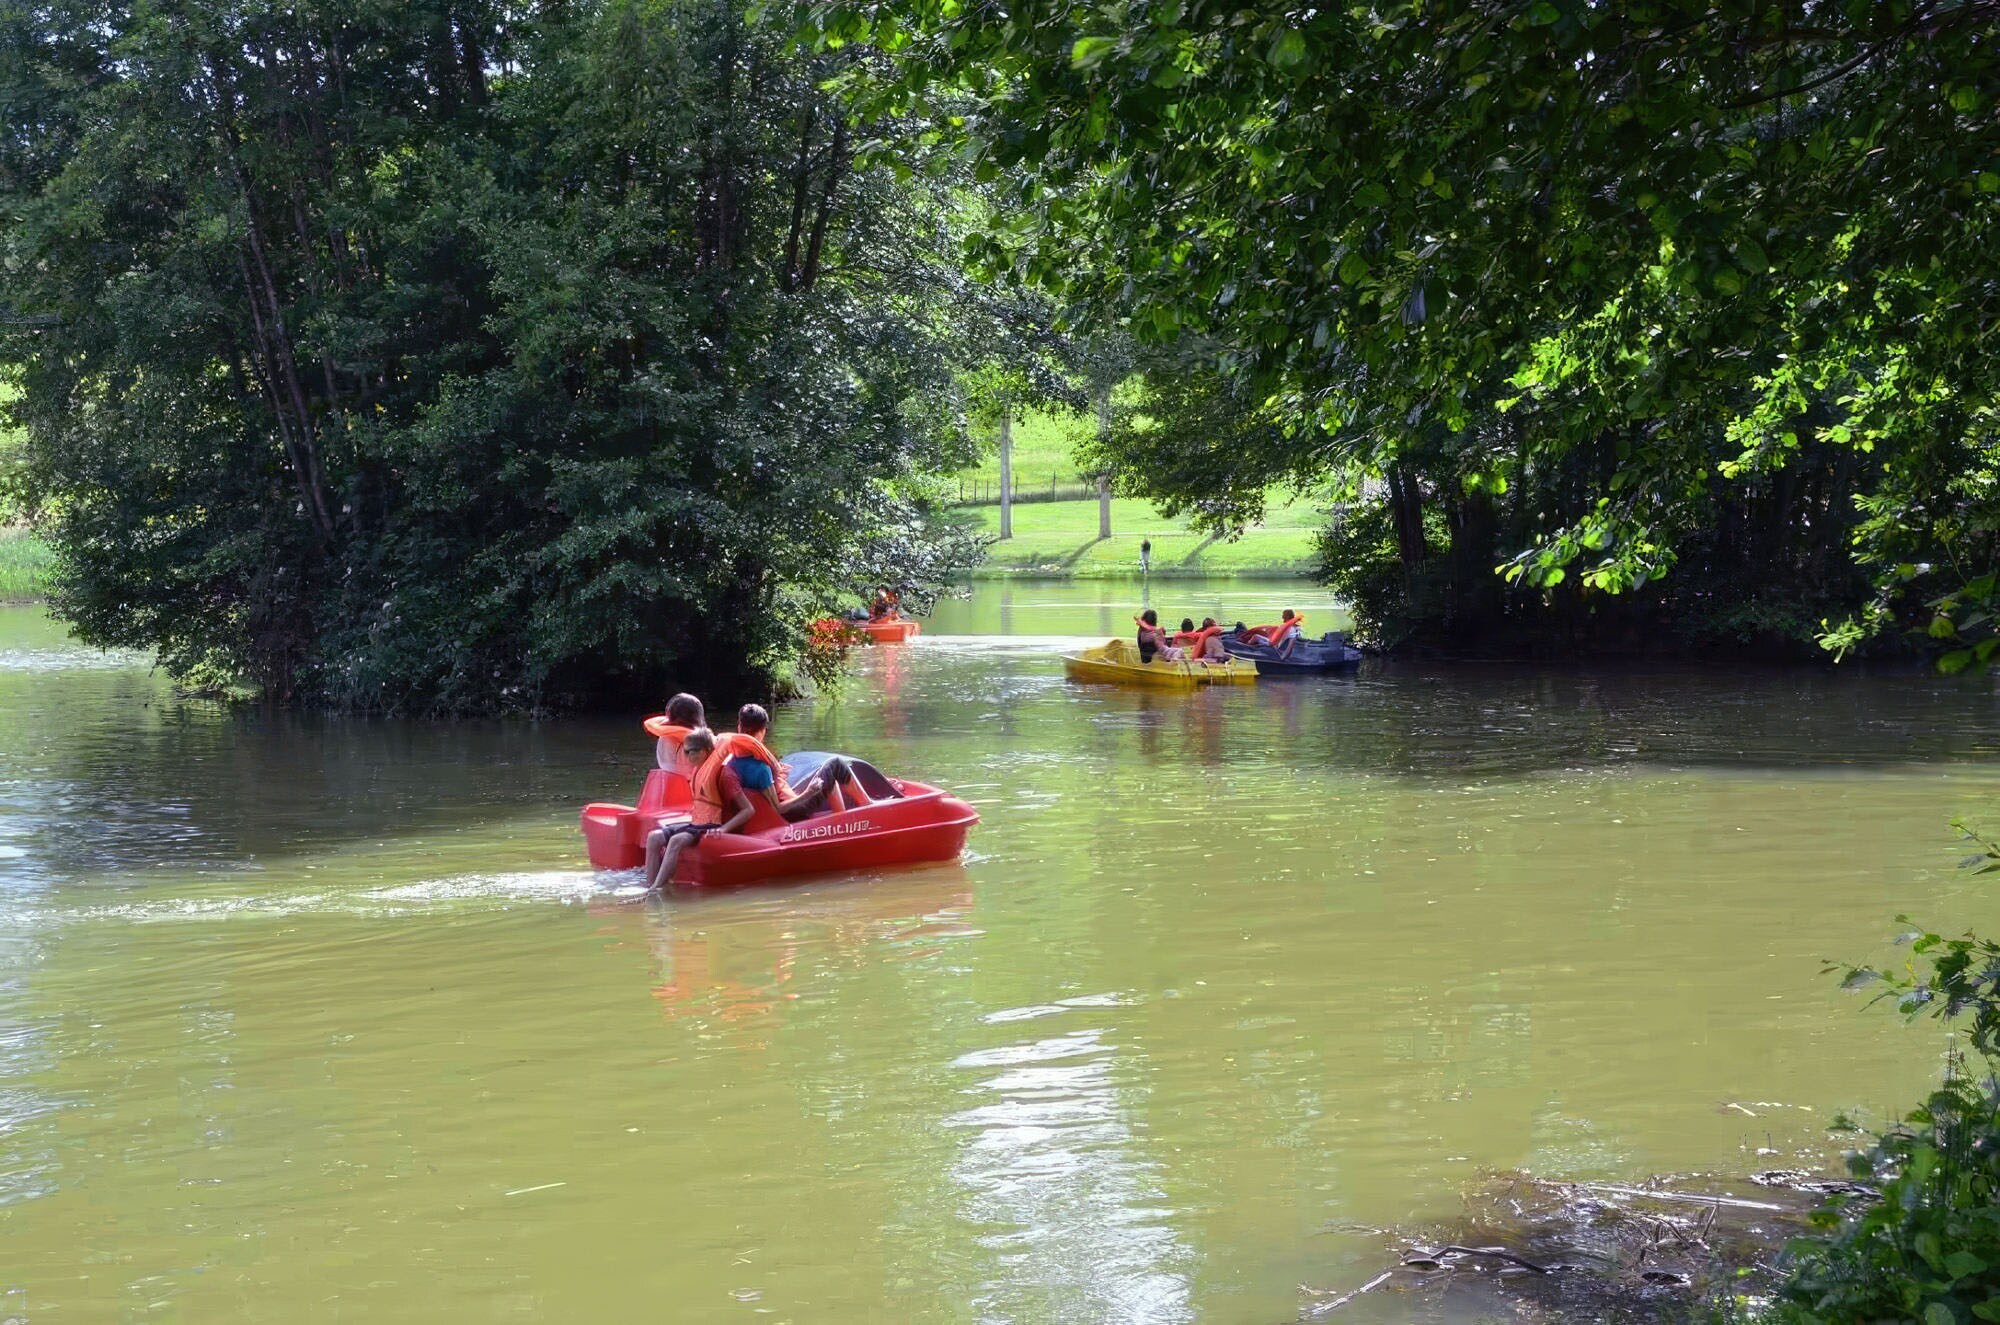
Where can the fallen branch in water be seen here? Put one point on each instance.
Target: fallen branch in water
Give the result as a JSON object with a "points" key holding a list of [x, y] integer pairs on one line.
{"points": [[1733, 1201], [1325, 1308]]}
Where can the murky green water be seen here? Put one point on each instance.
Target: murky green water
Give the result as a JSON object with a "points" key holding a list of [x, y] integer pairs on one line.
{"points": [[323, 1019]]}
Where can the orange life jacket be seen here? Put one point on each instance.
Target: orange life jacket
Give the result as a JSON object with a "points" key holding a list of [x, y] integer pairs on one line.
{"points": [[658, 726], [1159, 635], [707, 794], [1272, 634], [1196, 641]]}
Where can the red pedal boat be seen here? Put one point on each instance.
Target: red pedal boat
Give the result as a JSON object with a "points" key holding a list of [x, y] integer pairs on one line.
{"points": [[888, 630], [922, 823]]}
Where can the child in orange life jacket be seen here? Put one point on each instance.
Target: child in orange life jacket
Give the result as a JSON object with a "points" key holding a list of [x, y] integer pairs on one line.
{"points": [[1203, 645], [720, 805], [683, 715], [833, 788], [1289, 631], [1152, 640]]}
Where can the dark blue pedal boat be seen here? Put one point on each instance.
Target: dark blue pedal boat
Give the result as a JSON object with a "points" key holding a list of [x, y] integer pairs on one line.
{"points": [[1329, 653]]}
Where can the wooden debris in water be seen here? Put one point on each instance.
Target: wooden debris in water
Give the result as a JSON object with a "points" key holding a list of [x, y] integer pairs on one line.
{"points": [[1530, 1249]]}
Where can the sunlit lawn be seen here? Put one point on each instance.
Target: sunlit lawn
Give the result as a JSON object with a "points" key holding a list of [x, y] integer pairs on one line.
{"points": [[1061, 538]]}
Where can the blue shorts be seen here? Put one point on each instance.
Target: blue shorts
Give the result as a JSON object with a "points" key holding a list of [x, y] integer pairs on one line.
{"points": [[755, 773]]}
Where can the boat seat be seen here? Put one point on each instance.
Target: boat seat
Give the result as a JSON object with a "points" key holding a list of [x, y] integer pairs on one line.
{"points": [[802, 764]]}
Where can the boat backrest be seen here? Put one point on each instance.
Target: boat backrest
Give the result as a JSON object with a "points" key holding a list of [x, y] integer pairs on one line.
{"points": [[664, 791], [762, 818]]}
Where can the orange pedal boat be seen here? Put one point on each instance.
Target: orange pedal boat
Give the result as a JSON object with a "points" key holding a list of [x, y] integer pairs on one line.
{"points": [[907, 823], [888, 630]]}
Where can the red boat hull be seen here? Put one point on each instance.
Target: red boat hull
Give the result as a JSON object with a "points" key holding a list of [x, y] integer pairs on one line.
{"points": [[925, 824]]}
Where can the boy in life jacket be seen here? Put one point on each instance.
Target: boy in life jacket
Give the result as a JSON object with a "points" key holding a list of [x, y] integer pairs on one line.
{"points": [[834, 787], [720, 805], [886, 606]]}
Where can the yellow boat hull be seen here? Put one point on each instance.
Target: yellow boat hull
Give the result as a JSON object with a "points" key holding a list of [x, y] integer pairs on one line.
{"points": [[1116, 662]]}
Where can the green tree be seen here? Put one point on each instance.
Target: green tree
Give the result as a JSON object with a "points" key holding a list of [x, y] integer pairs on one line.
{"points": [[453, 355], [1664, 271]]}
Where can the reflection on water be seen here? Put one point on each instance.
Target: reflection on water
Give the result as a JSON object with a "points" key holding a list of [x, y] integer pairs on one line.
{"points": [[1051, 1167], [300, 1010]]}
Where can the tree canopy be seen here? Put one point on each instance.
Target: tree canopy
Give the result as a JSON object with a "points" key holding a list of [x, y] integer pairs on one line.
{"points": [[464, 354], [1655, 271]]}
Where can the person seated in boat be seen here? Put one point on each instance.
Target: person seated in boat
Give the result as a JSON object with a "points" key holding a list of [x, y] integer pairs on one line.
{"points": [[683, 715], [720, 806], [1153, 640], [1203, 643], [1282, 637], [832, 789], [1288, 632], [886, 606]]}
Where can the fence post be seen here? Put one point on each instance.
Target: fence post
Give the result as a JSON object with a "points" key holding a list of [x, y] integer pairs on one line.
{"points": [[1103, 480]]}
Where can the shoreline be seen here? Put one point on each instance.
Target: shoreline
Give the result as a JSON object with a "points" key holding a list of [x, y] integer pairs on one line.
{"points": [[1110, 575]]}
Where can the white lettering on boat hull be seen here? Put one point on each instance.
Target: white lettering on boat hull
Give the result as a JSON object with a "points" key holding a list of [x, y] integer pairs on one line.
{"points": [[816, 831]]}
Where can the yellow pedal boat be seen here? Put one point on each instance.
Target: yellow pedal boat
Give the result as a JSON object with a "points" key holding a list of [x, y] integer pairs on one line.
{"points": [[1116, 662]]}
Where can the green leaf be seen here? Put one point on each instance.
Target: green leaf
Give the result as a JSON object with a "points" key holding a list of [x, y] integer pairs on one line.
{"points": [[1089, 52], [1961, 1264], [1289, 50], [1352, 268], [1926, 1243], [1542, 13]]}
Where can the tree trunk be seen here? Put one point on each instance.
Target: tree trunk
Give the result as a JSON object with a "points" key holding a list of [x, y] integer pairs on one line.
{"points": [[1103, 480], [1007, 474], [1408, 502]]}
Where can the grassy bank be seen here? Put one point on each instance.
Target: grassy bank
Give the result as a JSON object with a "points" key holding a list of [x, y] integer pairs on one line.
{"points": [[1043, 454], [1060, 538], [23, 558]]}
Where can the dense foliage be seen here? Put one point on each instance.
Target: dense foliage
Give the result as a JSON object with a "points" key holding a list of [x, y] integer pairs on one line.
{"points": [[1920, 1241], [461, 353], [1583, 291]]}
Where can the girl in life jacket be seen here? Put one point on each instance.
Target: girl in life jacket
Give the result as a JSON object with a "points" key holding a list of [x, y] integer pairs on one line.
{"points": [[683, 715], [1153, 640]]}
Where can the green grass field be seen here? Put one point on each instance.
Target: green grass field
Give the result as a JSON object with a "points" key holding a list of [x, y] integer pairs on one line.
{"points": [[23, 558], [1042, 446], [1060, 538]]}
